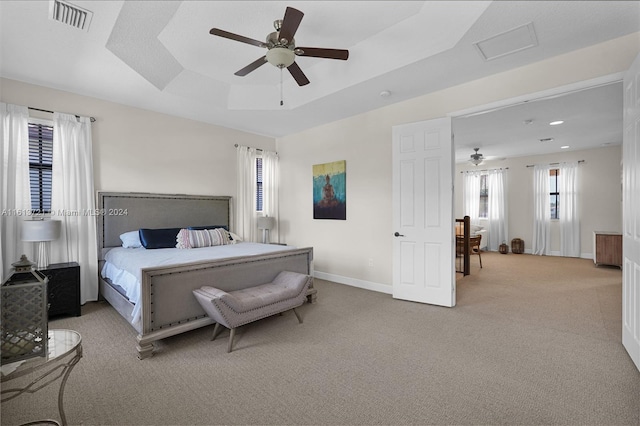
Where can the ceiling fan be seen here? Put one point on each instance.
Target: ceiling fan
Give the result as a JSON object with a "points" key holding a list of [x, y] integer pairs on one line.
{"points": [[477, 158], [281, 47]]}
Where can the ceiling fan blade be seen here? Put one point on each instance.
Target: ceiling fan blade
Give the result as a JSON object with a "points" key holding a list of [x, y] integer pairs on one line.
{"points": [[317, 52], [252, 66], [290, 24], [298, 75], [226, 34]]}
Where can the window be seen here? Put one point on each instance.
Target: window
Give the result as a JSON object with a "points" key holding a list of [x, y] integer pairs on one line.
{"points": [[40, 165], [553, 192], [484, 197], [259, 184]]}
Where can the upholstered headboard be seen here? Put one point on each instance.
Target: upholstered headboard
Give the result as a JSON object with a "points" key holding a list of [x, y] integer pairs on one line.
{"points": [[120, 212]]}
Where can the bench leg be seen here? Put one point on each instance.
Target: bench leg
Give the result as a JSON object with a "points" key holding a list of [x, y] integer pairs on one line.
{"points": [[216, 330], [231, 336], [297, 315], [312, 295]]}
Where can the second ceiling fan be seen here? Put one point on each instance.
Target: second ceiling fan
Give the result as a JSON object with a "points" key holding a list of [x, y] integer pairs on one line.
{"points": [[281, 46]]}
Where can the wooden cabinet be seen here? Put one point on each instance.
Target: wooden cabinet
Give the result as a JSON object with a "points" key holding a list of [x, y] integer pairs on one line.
{"points": [[607, 248], [63, 288]]}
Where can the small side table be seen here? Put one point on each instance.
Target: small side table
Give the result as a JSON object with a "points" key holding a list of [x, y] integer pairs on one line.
{"points": [[63, 289], [607, 248], [64, 352]]}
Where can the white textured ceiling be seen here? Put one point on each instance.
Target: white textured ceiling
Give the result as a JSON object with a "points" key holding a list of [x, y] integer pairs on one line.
{"points": [[592, 118], [159, 55]]}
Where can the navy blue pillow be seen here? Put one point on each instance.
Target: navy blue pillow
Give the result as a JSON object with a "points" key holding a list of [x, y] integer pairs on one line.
{"points": [[200, 228], [158, 238]]}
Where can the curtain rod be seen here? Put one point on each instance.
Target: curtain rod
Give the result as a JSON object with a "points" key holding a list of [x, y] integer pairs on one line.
{"points": [[553, 164], [484, 170], [257, 149], [51, 112]]}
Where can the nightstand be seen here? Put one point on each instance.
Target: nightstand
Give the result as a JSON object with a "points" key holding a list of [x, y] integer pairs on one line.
{"points": [[63, 289]]}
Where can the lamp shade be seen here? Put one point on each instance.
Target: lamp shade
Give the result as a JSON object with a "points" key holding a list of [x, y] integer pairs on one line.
{"points": [[266, 222], [41, 230]]}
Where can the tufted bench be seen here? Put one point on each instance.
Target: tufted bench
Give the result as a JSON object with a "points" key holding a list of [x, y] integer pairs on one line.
{"points": [[235, 308]]}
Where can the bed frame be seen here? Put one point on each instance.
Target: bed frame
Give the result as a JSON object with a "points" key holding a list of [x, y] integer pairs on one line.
{"points": [[168, 304]]}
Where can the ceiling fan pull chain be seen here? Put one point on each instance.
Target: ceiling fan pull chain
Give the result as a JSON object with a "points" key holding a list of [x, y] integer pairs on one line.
{"points": [[281, 89]]}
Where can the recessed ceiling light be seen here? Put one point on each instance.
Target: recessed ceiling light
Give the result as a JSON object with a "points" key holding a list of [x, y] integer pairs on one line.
{"points": [[555, 123], [385, 94], [564, 147]]}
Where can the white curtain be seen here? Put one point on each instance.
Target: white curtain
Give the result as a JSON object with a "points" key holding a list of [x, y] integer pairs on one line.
{"points": [[15, 194], [496, 209], [568, 210], [245, 223], [270, 183], [73, 200], [541, 210], [471, 200]]}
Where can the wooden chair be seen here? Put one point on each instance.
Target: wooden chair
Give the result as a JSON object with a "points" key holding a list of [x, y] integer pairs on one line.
{"points": [[474, 246]]}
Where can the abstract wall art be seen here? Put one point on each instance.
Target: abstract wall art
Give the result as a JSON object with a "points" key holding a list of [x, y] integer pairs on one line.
{"points": [[330, 190]]}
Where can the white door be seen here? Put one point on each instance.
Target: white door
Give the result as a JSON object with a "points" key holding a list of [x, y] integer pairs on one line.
{"points": [[423, 257], [631, 214]]}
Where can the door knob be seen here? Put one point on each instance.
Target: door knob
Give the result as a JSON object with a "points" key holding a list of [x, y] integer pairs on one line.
{"points": [[397, 234]]}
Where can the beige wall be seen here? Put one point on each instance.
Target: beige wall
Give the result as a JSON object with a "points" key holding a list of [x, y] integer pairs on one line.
{"points": [[599, 194], [139, 150], [358, 251]]}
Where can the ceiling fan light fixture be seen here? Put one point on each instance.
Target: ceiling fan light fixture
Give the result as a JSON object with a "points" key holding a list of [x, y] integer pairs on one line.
{"points": [[477, 158], [281, 47], [281, 57]]}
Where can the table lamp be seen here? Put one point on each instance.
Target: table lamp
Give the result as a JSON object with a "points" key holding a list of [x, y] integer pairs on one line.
{"points": [[41, 232], [266, 223]]}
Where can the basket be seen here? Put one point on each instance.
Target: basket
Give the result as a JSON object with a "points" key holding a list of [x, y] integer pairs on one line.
{"points": [[504, 248], [517, 246]]}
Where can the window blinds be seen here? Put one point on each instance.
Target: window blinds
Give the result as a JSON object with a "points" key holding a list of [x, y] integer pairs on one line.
{"points": [[40, 166]]}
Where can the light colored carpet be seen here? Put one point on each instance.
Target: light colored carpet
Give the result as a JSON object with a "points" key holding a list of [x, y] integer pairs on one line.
{"points": [[533, 340]]}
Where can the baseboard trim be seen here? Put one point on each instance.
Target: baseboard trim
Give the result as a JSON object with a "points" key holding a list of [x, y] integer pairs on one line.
{"points": [[387, 289], [353, 282], [557, 253]]}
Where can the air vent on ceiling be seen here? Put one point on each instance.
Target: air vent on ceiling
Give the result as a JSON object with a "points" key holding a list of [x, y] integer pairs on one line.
{"points": [[508, 42], [70, 14]]}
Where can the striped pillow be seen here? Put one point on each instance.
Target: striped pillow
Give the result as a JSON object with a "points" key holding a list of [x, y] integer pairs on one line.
{"points": [[191, 238]]}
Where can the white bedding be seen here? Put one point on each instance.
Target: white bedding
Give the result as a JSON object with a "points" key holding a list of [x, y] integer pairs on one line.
{"points": [[123, 266]]}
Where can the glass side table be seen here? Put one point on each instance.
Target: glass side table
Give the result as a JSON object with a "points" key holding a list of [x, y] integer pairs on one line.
{"points": [[64, 352]]}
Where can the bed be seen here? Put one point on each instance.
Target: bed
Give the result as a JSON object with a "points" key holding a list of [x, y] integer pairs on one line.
{"points": [[164, 304]]}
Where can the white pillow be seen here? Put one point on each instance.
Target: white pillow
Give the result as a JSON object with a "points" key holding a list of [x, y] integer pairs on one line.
{"points": [[476, 228], [131, 239], [235, 238]]}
